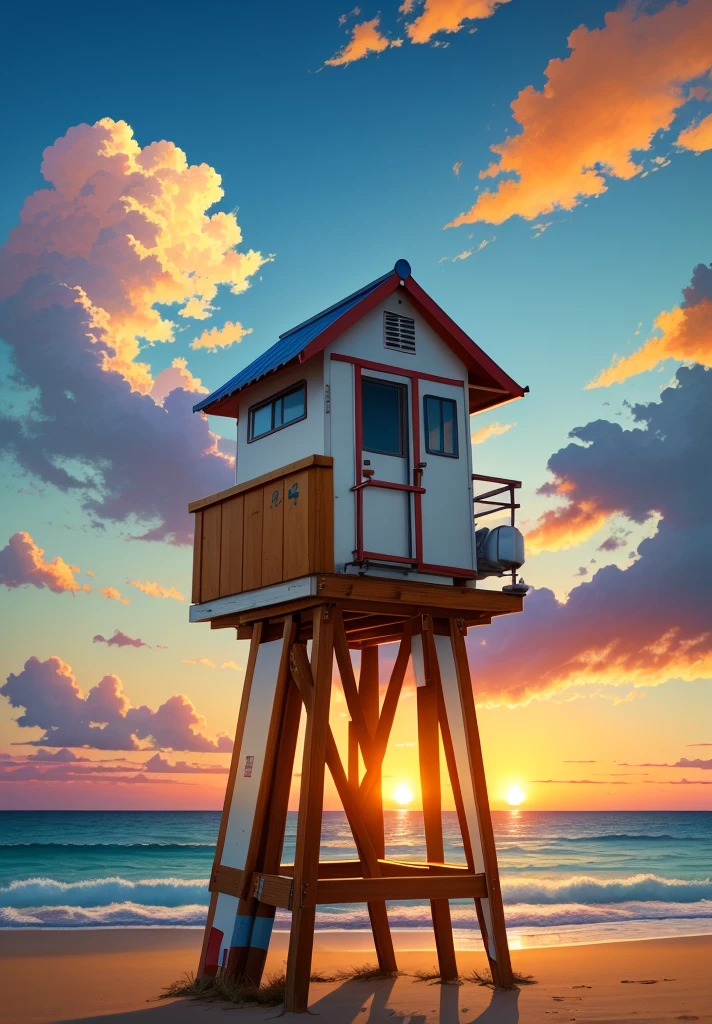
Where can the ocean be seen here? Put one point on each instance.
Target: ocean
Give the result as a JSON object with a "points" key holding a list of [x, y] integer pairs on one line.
{"points": [[567, 877]]}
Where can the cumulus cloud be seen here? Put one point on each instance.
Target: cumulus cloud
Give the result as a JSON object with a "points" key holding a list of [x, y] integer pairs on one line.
{"points": [[366, 37], [156, 590], [698, 137], [120, 639], [491, 430], [160, 765], [105, 719], [618, 88], [685, 334], [177, 375], [62, 756], [22, 563], [206, 662], [221, 337], [233, 665], [447, 16], [649, 623], [112, 594], [613, 542], [121, 233]]}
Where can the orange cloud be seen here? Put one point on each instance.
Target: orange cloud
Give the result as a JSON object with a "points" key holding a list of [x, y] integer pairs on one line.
{"points": [[366, 38], [113, 595], [492, 430], [446, 16], [22, 564], [698, 137], [133, 228], [177, 375], [620, 86], [156, 590], [686, 335], [221, 337], [561, 528]]}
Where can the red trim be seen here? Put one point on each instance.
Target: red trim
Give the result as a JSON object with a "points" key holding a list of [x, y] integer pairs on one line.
{"points": [[388, 558], [450, 332], [358, 456], [396, 371], [448, 570], [390, 486], [349, 318], [417, 500]]}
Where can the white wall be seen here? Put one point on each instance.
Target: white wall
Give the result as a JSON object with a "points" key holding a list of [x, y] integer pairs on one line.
{"points": [[365, 341], [296, 441]]}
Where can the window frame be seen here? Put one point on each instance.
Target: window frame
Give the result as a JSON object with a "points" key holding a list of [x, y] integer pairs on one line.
{"points": [[426, 427], [300, 385], [403, 423]]}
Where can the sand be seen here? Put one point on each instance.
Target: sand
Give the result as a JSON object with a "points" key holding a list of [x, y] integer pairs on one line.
{"points": [[61, 976]]}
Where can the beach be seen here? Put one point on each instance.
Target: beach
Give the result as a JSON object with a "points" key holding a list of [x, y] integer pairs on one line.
{"points": [[118, 975]]}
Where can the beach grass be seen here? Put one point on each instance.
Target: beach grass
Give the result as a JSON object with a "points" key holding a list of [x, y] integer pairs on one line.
{"points": [[227, 989]]}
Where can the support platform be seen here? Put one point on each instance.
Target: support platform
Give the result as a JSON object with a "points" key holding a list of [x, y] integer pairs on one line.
{"points": [[249, 880]]}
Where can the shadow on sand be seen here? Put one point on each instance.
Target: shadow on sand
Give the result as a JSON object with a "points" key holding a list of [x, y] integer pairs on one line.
{"points": [[354, 1001]]}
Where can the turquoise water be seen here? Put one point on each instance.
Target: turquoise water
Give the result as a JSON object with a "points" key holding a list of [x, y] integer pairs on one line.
{"points": [[566, 877]]}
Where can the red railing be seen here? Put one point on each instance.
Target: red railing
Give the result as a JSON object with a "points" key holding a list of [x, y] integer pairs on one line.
{"points": [[507, 487]]}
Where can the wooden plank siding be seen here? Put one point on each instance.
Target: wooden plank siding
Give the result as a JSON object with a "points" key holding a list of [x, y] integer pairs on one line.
{"points": [[277, 527]]}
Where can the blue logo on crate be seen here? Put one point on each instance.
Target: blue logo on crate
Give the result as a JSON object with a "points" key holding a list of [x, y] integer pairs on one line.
{"points": [[293, 493]]}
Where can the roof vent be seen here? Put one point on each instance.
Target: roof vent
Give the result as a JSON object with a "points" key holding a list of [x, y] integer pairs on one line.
{"points": [[398, 332]]}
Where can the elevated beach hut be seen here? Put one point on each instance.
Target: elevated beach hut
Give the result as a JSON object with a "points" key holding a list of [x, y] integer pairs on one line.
{"points": [[353, 524]]}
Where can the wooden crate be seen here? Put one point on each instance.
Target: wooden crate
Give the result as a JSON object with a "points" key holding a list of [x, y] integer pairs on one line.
{"points": [[277, 527]]}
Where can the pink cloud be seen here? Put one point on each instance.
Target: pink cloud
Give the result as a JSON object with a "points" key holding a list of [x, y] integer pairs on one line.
{"points": [[105, 719], [81, 278], [618, 88], [177, 375], [119, 639], [22, 564], [637, 627]]}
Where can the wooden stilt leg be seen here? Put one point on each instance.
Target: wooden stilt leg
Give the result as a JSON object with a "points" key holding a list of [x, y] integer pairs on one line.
{"points": [[352, 759], [274, 839], [311, 798], [429, 756], [208, 964], [247, 905], [372, 808], [491, 910]]}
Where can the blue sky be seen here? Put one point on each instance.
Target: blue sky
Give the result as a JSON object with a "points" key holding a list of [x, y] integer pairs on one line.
{"points": [[337, 172]]}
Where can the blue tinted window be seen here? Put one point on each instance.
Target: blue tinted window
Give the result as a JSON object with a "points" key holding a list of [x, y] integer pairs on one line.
{"points": [[277, 412], [440, 426], [382, 409]]}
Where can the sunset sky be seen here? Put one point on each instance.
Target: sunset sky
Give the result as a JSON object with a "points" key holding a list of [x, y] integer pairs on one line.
{"points": [[180, 189]]}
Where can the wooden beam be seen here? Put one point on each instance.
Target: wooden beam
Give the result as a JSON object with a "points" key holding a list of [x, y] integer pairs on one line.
{"points": [[502, 966], [231, 881], [230, 788], [429, 758], [311, 802], [337, 586], [388, 713], [388, 868], [260, 481], [351, 692], [405, 887], [274, 890]]}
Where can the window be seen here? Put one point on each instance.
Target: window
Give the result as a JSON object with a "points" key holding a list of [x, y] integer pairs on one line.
{"points": [[383, 417], [440, 426], [277, 412]]}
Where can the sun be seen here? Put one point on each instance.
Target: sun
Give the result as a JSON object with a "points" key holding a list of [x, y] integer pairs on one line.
{"points": [[403, 794], [515, 795]]}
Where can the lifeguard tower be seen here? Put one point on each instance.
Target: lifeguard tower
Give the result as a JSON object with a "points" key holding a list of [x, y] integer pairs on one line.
{"points": [[352, 525]]}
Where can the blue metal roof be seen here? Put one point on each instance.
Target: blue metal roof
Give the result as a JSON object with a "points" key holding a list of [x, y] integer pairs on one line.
{"points": [[290, 344]]}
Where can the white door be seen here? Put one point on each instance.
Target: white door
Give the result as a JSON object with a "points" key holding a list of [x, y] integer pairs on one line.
{"points": [[447, 514], [385, 459]]}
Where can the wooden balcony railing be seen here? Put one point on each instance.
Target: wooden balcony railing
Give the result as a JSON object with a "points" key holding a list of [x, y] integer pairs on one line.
{"points": [[277, 527]]}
